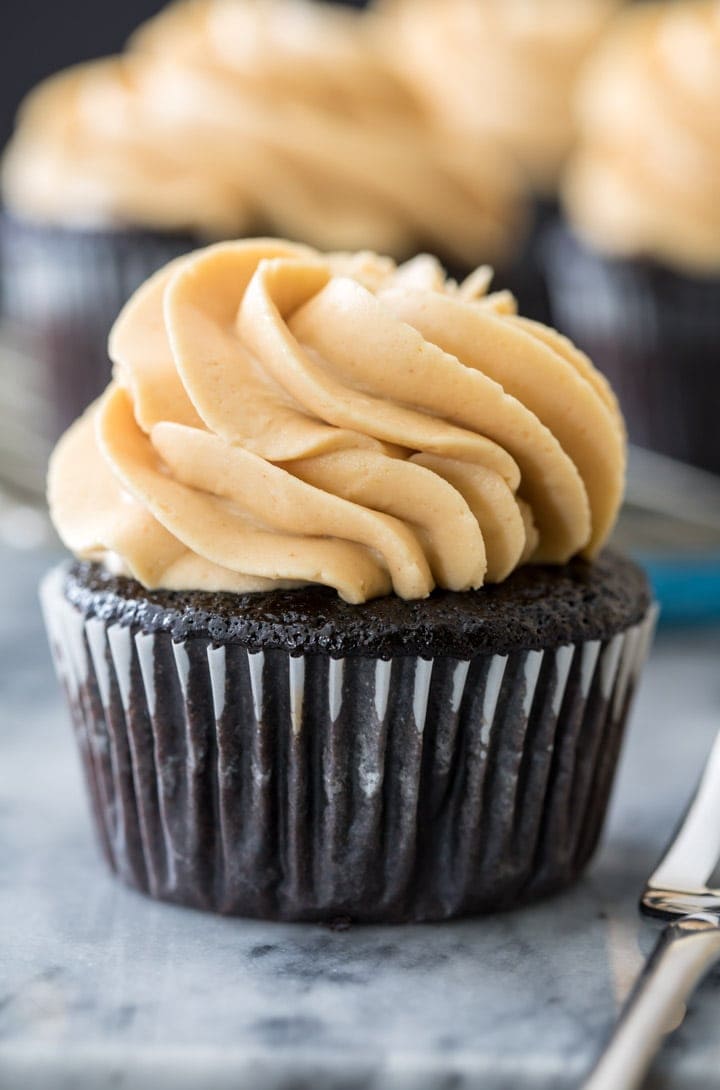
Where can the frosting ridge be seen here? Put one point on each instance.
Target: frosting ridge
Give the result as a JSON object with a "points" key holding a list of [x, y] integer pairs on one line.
{"points": [[279, 416]]}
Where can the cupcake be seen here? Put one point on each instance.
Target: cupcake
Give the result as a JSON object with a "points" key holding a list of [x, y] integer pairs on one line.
{"points": [[635, 271], [340, 638], [506, 69], [225, 118]]}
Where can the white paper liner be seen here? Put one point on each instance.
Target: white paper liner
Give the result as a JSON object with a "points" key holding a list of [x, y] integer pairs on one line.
{"points": [[260, 784]]}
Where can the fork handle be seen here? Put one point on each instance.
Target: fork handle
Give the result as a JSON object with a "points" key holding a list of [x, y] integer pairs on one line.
{"points": [[684, 952]]}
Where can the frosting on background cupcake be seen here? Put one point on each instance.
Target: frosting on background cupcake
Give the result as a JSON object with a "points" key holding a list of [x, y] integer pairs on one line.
{"points": [[279, 417], [504, 67], [231, 117], [644, 180], [91, 150]]}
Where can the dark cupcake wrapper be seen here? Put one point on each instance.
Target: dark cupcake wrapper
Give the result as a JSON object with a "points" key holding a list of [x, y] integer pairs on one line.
{"points": [[525, 275], [656, 335], [61, 291], [310, 788]]}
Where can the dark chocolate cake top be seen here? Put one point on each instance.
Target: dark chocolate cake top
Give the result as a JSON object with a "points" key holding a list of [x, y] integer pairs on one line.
{"points": [[536, 607]]}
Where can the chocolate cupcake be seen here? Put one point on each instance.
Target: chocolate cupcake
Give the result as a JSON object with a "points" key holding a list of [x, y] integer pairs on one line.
{"points": [[329, 645], [634, 274], [224, 119]]}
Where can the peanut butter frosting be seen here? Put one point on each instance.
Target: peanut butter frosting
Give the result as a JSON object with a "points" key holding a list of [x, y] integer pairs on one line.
{"points": [[506, 67], [279, 417], [233, 116], [644, 180], [91, 150]]}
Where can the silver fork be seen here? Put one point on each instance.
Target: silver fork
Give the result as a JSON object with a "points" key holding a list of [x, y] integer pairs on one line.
{"points": [[689, 945]]}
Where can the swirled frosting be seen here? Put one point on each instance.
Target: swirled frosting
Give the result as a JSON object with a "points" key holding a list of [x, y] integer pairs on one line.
{"points": [[298, 126], [91, 150], [644, 180], [502, 66], [280, 417]]}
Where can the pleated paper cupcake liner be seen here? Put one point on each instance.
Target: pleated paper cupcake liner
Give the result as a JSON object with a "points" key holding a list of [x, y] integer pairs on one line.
{"points": [[310, 788], [61, 291], [656, 335]]}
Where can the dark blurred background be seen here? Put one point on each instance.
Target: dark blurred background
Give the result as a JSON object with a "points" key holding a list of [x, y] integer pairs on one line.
{"points": [[41, 36]]}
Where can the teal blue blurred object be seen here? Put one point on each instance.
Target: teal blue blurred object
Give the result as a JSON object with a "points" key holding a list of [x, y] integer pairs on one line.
{"points": [[688, 593], [671, 525]]}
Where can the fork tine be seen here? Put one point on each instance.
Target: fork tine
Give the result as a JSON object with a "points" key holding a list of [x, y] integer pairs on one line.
{"points": [[695, 850]]}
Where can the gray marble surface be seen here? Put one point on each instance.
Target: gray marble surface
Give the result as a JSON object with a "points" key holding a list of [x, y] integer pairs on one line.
{"points": [[101, 988]]}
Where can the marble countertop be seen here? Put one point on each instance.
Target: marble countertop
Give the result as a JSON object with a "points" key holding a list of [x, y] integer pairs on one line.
{"points": [[102, 988]]}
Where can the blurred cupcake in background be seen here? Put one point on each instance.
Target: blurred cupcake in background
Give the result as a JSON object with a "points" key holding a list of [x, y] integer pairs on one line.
{"points": [[506, 69], [225, 118], [301, 102], [635, 274]]}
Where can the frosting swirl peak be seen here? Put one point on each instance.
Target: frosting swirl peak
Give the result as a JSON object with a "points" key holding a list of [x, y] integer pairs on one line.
{"points": [[280, 417]]}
